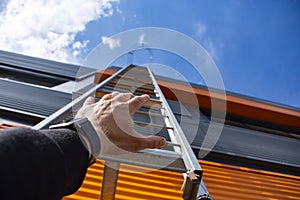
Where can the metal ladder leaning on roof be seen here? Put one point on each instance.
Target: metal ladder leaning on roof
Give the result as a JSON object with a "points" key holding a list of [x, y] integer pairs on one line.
{"points": [[177, 156]]}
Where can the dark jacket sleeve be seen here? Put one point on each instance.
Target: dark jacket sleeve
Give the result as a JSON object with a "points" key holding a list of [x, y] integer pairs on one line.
{"points": [[46, 164]]}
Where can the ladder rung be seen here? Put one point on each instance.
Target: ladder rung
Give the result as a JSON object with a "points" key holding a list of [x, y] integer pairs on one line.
{"points": [[131, 88], [147, 119], [138, 76], [153, 158], [150, 114], [152, 110], [154, 102], [150, 130], [108, 89], [133, 79], [151, 103], [163, 133], [123, 85], [137, 71], [152, 106], [120, 81], [173, 144], [153, 125]]}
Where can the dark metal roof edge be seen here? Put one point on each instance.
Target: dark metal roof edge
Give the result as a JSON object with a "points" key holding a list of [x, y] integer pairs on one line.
{"points": [[238, 155], [37, 64], [33, 86], [29, 98]]}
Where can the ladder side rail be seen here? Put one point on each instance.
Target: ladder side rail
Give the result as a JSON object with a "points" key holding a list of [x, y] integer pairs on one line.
{"points": [[61, 113], [109, 180], [188, 155], [194, 171]]}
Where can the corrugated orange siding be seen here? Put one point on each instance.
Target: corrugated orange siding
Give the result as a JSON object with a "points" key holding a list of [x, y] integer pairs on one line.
{"points": [[7, 124], [230, 182], [223, 182], [157, 184]]}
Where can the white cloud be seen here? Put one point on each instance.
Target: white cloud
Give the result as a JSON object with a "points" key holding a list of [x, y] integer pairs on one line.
{"points": [[205, 40], [201, 29], [142, 41], [46, 28], [112, 43], [210, 48]]}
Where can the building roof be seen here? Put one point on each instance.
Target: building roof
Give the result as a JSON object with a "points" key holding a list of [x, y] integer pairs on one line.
{"points": [[31, 103], [42, 66]]}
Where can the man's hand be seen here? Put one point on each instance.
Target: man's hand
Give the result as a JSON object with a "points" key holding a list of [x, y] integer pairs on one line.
{"points": [[112, 119]]}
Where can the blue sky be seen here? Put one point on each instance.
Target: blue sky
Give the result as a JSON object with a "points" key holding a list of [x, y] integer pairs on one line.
{"points": [[255, 44]]}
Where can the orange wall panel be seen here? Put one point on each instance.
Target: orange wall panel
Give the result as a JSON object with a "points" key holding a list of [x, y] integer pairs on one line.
{"points": [[224, 182], [154, 185]]}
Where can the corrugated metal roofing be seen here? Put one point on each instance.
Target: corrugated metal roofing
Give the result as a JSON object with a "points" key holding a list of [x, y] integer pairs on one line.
{"points": [[257, 145], [223, 182], [44, 66], [35, 101]]}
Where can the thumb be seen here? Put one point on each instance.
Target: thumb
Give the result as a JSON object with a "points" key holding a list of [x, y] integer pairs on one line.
{"points": [[88, 101], [154, 142]]}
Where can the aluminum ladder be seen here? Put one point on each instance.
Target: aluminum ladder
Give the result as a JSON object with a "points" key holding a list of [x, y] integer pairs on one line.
{"points": [[155, 117]]}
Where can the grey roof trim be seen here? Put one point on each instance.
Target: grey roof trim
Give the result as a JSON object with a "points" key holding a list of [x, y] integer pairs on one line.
{"points": [[65, 70], [31, 99], [7, 109], [252, 144]]}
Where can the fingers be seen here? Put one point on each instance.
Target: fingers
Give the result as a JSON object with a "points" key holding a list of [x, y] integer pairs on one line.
{"points": [[107, 96], [88, 101], [152, 142], [123, 97], [117, 96], [136, 142], [137, 102]]}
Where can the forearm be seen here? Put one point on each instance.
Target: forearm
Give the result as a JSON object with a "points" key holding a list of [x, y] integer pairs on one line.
{"points": [[44, 164], [76, 157]]}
